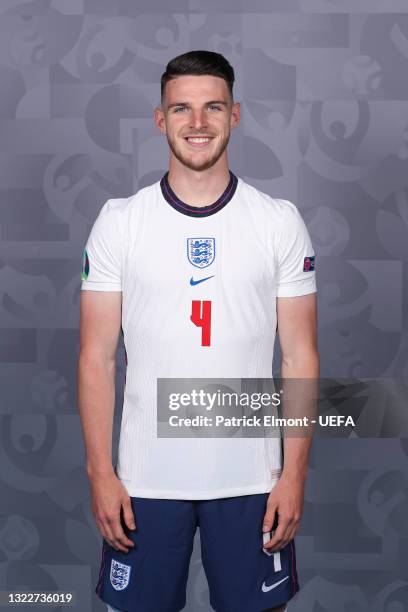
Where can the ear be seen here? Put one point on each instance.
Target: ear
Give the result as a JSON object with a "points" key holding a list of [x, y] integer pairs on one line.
{"points": [[160, 119], [235, 114]]}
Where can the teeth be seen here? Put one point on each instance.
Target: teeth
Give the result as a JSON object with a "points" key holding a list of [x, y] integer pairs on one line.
{"points": [[198, 139]]}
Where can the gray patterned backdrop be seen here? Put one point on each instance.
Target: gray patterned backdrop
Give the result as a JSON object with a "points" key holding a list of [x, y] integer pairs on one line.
{"points": [[324, 90]]}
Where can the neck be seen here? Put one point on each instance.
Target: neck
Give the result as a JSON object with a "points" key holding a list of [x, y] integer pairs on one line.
{"points": [[198, 188]]}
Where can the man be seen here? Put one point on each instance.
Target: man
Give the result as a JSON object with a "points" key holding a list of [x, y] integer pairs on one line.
{"points": [[199, 269]]}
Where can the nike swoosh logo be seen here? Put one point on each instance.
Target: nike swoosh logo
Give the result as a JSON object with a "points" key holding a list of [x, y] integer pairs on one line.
{"points": [[266, 589], [201, 280]]}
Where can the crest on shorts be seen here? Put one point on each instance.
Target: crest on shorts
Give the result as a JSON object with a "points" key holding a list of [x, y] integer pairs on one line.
{"points": [[119, 575], [201, 251]]}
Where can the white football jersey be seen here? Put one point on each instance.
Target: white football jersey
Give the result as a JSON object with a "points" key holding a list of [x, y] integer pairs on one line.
{"points": [[250, 249]]}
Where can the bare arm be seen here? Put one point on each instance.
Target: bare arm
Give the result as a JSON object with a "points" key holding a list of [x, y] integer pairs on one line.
{"points": [[297, 328], [100, 317], [100, 321]]}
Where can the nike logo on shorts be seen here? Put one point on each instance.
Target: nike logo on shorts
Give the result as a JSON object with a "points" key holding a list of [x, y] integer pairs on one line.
{"points": [[266, 589]]}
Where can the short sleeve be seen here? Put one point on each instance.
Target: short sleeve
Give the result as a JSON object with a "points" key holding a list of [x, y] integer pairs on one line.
{"points": [[295, 256], [102, 255]]}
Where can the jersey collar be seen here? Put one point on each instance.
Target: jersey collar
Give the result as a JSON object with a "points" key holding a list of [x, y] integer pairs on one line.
{"points": [[198, 211]]}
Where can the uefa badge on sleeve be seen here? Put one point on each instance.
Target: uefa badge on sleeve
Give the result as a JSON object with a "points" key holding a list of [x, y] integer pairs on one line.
{"points": [[309, 264], [119, 575]]}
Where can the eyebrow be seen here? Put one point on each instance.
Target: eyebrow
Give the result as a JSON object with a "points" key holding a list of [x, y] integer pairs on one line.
{"points": [[187, 104]]}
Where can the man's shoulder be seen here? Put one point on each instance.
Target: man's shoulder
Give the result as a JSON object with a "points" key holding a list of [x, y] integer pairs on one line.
{"points": [[121, 209], [123, 206], [263, 200]]}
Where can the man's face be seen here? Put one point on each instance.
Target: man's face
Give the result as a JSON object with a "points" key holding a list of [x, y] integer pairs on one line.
{"points": [[197, 106]]}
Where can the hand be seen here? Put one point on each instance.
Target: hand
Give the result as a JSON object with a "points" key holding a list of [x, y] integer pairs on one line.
{"points": [[285, 499], [109, 496]]}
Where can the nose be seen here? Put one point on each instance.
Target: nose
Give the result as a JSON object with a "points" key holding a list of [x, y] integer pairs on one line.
{"points": [[198, 119]]}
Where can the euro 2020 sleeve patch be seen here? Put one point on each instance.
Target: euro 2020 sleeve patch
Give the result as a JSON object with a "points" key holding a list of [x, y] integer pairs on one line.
{"points": [[85, 265]]}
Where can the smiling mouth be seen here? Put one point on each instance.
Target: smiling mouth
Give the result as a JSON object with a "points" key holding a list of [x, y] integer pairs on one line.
{"points": [[198, 142]]}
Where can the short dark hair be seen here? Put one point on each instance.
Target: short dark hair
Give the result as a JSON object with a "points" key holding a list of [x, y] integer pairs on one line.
{"points": [[198, 63]]}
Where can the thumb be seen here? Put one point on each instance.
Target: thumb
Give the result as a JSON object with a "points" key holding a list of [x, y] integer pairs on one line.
{"points": [[128, 514], [269, 518]]}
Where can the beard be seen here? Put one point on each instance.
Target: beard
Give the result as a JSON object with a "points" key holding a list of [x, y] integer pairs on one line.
{"points": [[198, 161]]}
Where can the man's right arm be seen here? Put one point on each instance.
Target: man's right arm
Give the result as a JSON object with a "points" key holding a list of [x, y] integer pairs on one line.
{"points": [[100, 323]]}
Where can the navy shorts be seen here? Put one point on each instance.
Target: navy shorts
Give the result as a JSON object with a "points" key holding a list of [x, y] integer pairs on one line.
{"points": [[152, 576]]}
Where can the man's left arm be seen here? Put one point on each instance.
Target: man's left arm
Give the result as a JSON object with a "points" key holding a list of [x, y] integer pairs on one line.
{"points": [[297, 329]]}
